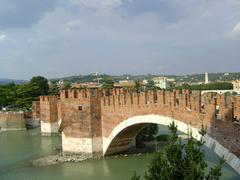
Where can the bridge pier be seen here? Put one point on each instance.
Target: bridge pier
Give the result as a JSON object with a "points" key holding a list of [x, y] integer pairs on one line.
{"points": [[49, 128], [91, 147], [49, 115]]}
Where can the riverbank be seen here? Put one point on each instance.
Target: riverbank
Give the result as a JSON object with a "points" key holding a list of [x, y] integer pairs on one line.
{"points": [[58, 159], [75, 158]]}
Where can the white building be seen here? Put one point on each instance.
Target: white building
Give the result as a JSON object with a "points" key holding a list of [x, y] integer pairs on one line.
{"points": [[162, 82], [236, 85]]}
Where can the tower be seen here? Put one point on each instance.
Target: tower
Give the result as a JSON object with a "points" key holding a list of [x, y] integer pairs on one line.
{"points": [[206, 78]]}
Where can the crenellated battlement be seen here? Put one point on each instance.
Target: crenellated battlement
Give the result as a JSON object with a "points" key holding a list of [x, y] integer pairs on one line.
{"points": [[181, 99], [80, 94], [47, 98]]}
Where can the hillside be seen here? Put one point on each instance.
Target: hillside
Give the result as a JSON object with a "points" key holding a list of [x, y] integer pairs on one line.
{"points": [[214, 77], [7, 81]]}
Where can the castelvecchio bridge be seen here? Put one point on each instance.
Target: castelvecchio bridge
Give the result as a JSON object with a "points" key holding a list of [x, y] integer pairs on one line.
{"points": [[97, 122]]}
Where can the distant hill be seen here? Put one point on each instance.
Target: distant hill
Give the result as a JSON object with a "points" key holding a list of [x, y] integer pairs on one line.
{"points": [[214, 77], [7, 81]]}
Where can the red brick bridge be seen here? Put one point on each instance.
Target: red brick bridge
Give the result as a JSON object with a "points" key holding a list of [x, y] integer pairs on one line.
{"points": [[99, 122]]}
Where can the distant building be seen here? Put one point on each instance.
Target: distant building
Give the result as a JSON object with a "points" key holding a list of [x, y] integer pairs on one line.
{"points": [[236, 85], [145, 81], [162, 82], [125, 84], [90, 85], [61, 82], [206, 78], [172, 80]]}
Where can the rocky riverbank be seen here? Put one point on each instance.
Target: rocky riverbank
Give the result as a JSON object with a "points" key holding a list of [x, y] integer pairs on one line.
{"points": [[75, 158], [59, 158]]}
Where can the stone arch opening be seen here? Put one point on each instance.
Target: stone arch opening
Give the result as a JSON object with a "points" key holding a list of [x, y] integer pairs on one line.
{"points": [[123, 134]]}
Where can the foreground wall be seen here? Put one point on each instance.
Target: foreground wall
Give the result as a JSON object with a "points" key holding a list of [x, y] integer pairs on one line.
{"points": [[12, 121]]}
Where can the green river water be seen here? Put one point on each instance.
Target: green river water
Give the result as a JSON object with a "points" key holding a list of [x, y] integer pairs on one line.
{"points": [[19, 147]]}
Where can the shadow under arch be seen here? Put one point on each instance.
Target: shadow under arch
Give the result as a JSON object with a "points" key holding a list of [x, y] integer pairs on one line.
{"points": [[119, 140]]}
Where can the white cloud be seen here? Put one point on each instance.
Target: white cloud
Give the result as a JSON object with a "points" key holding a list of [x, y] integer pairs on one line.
{"points": [[73, 24], [3, 37], [112, 3], [97, 4], [236, 28]]}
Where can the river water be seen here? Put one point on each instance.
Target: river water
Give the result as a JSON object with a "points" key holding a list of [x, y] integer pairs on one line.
{"points": [[19, 147]]}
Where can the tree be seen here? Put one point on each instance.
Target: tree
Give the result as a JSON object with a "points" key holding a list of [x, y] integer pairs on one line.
{"points": [[26, 94], [181, 161], [67, 85], [107, 83], [53, 89], [211, 86], [138, 87], [42, 83], [146, 135], [16, 97], [151, 86]]}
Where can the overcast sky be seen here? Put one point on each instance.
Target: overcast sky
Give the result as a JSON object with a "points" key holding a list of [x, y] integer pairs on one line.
{"points": [[56, 38]]}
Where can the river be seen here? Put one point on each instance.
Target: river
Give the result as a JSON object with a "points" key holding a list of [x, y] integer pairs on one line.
{"points": [[18, 148]]}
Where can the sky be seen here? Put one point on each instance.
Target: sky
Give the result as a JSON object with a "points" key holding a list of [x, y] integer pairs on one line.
{"points": [[57, 38]]}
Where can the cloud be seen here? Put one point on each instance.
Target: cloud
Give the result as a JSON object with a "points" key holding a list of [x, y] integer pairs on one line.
{"points": [[117, 36], [97, 4], [73, 24], [23, 13], [3, 37], [236, 28]]}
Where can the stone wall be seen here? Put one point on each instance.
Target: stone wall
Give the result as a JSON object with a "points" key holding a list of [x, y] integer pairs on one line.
{"points": [[12, 121]]}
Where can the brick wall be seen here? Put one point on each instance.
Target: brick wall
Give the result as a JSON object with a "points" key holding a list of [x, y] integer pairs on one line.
{"points": [[94, 113], [36, 110], [12, 121], [48, 109]]}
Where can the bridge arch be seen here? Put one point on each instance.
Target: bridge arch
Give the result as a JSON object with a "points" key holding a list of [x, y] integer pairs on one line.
{"points": [[143, 120]]}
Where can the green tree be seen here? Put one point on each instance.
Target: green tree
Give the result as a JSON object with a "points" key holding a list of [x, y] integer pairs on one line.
{"points": [[146, 135], [138, 87], [7, 94], [21, 96], [26, 94], [67, 85], [53, 88], [211, 86], [181, 161], [151, 86], [107, 83], [42, 83]]}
